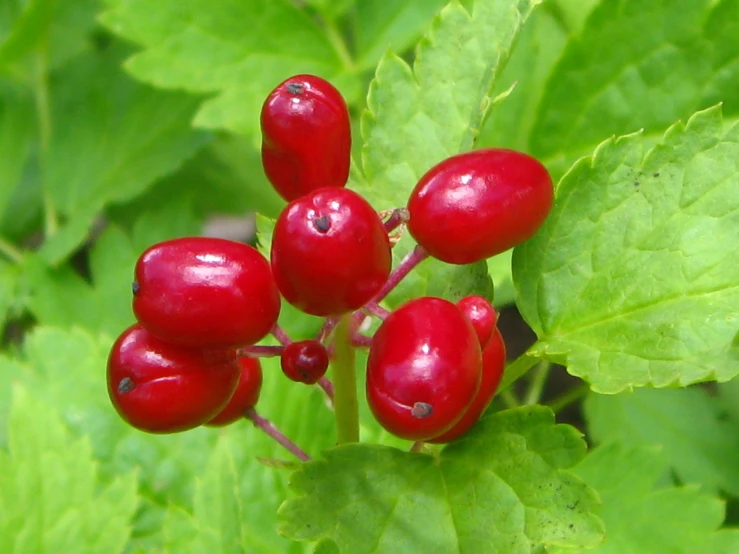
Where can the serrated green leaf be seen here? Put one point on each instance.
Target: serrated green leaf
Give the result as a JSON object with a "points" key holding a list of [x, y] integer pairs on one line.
{"points": [[699, 442], [380, 26], [632, 280], [672, 60], [104, 146], [203, 48], [48, 497], [502, 488], [641, 516]]}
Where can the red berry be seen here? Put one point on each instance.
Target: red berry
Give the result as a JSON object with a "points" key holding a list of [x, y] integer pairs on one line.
{"points": [[306, 137], [478, 204], [305, 361], [205, 293], [493, 365], [424, 369], [481, 314], [330, 252], [246, 395], [162, 388]]}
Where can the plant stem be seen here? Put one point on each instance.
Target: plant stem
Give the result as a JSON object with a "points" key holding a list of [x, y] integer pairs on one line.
{"points": [[417, 446], [572, 395], [268, 427], [397, 217], [258, 351], [346, 406], [11, 252], [406, 265], [281, 336], [328, 387], [517, 369], [43, 113], [509, 398], [538, 380], [337, 41], [373, 308]]}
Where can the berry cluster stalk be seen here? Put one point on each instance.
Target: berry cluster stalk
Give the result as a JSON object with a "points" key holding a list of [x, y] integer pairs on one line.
{"points": [[346, 406]]}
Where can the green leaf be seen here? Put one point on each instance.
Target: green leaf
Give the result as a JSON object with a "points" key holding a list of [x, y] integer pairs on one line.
{"points": [[49, 493], [690, 426], [632, 280], [503, 488], [105, 147], [237, 49], [25, 25], [643, 517], [671, 61], [8, 281], [16, 132], [380, 26]]}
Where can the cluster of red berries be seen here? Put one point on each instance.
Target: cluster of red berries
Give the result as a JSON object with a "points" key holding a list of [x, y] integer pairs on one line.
{"points": [[202, 304]]}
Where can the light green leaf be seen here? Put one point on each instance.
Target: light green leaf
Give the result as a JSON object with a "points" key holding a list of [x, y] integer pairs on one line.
{"points": [[237, 49], [672, 59], [380, 26], [16, 133], [111, 139], [641, 516], [331, 9], [503, 488], [49, 497], [23, 25], [701, 445], [632, 280]]}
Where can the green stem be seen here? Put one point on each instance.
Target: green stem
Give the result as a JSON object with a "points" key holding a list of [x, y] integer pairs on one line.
{"points": [[517, 369], [509, 398], [570, 396], [538, 380], [346, 406], [11, 252], [43, 113], [337, 41]]}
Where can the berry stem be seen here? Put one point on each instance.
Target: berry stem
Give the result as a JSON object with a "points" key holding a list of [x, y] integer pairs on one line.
{"points": [[268, 427], [569, 397], [361, 341], [373, 308], [327, 386], [411, 260], [417, 446], [326, 329], [281, 336], [346, 406], [258, 351], [397, 217]]}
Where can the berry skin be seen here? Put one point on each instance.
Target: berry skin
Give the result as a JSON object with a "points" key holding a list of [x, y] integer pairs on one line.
{"points": [[246, 395], [305, 361], [424, 369], [478, 204], [158, 387], [481, 314], [306, 137], [493, 365], [205, 293], [330, 252]]}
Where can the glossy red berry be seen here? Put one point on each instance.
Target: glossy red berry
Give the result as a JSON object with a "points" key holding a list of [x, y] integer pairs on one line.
{"points": [[493, 365], [205, 292], [162, 388], [330, 252], [478, 204], [424, 369], [244, 397], [481, 314], [305, 361], [306, 136]]}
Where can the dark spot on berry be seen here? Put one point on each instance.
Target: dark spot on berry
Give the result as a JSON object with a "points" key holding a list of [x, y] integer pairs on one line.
{"points": [[322, 224], [126, 385], [295, 88], [656, 175], [135, 287], [422, 410]]}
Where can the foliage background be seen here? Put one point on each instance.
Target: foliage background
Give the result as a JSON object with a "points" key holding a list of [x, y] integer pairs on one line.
{"points": [[126, 122]]}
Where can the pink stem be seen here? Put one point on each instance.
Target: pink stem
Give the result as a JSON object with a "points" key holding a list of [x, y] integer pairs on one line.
{"points": [[327, 386], [328, 326], [266, 426], [280, 335], [417, 446], [396, 219], [373, 308], [361, 340], [258, 351], [411, 260]]}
